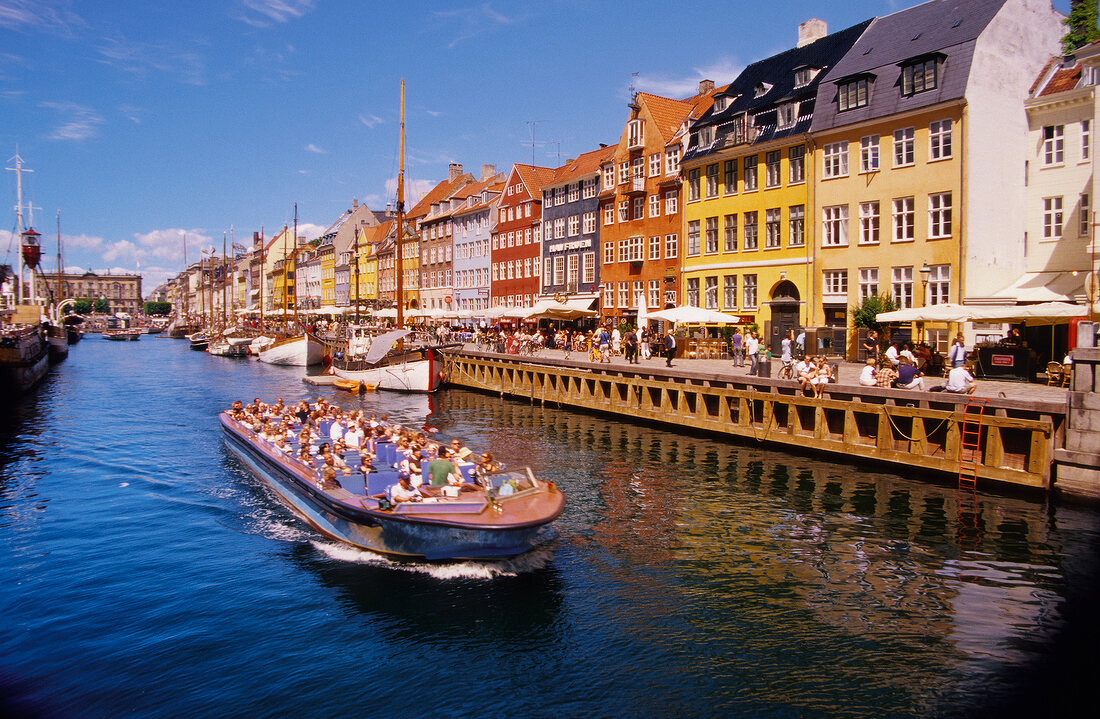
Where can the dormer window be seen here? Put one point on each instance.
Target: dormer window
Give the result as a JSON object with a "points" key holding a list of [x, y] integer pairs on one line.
{"points": [[635, 133], [804, 76], [721, 103], [786, 115], [920, 76], [705, 136], [762, 89], [853, 93]]}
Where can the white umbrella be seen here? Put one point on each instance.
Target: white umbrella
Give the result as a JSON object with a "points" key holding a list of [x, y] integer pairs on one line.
{"points": [[643, 313], [688, 314], [947, 312]]}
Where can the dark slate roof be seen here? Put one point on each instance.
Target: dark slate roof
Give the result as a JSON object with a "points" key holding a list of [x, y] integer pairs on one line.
{"points": [[777, 71], [947, 27]]}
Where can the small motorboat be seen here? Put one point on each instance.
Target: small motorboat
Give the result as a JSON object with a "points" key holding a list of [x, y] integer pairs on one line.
{"points": [[353, 386]]}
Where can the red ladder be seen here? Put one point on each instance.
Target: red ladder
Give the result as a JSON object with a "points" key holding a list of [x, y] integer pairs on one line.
{"points": [[970, 437]]}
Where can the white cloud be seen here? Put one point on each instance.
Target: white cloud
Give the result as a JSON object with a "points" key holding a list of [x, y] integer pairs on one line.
{"points": [[265, 13], [315, 149], [78, 121], [48, 15], [414, 190], [309, 231], [370, 120], [469, 22], [722, 71], [139, 58]]}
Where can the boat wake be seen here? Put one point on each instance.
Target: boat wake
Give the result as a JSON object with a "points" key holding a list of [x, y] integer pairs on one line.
{"points": [[530, 561]]}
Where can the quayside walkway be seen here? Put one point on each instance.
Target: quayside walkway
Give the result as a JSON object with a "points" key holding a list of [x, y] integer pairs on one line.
{"points": [[1018, 425]]}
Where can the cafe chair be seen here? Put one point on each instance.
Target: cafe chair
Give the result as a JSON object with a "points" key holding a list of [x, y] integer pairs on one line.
{"points": [[1067, 374], [1054, 374]]}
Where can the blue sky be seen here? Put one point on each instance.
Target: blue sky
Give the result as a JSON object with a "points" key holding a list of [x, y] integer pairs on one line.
{"points": [[147, 121]]}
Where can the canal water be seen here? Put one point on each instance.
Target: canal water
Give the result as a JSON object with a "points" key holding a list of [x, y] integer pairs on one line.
{"points": [[145, 572]]}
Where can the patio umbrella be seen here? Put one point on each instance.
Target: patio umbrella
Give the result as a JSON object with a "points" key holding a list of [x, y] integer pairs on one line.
{"points": [[688, 314], [947, 312]]}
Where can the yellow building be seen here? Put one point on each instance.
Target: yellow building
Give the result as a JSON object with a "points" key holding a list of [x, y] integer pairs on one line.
{"points": [[747, 196]]}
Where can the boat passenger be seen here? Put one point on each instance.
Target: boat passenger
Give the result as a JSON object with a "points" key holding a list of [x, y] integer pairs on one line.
{"points": [[354, 436], [460, 452], [336, 431], [485, 467], [403, 491], [328, 474], [281, 445], [443, 471], [305, 456]]}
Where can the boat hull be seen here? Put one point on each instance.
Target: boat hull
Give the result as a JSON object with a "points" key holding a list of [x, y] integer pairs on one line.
{"points": [[24, 361], [389, 533], [122, 335], [295, 352], [414, 375]]}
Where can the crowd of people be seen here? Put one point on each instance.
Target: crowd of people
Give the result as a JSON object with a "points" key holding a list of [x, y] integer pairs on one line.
{"points": [[331, 441], [903, 368]]}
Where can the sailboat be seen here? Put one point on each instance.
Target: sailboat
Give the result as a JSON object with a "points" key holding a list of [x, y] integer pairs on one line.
{"points": [[382, 360], [298, 350]]}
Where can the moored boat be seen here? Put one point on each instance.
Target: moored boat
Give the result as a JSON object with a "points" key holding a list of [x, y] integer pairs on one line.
{"points": [[58, 338], [374, 360], [24, 358], [122, 335], [298, 351], [199, 341], [475, 524]]}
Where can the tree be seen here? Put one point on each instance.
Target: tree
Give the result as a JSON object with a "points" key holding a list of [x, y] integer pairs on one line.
{"points": [[102, 307], [83, 307], [158, 308], [863, 314], [1082, 24]]}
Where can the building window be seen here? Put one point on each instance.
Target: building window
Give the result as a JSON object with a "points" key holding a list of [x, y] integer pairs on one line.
{"points": [[559, 231], [939, 140], [1053, 144], [672, 201], [655, 164], [772, 218], [918, 77], [1052, 217], [589, 189], [902, 286], [639, 208], [693, 238], [835, 282], [750, 173], [609, 294], [834, 226], [853, 94], [693, 291], [786, 115], [654, 291], [655, 247], [835, 159], [729, 171], [588, 264], [868, 223], [608, 177], [731, 233], [771, 169], [635, 133], [672, 246], [797, 224], [574, 191], [588, 222], [939, 215], [868, 153], [638, 164], [624, 172], [796, 157], [630, 249], [868, 282], [903, 147], [609, 214], [712, 235], [571, 276], [904, 219], [1083, 230], [654, 205], [1086, 139], [672, 161], [559, 270], [624, 210], [729, 291], [608, 252], [712, 180], [939, 285], [710, 293], [749, 291], [693, 184], [750, 230], [574, 225]]}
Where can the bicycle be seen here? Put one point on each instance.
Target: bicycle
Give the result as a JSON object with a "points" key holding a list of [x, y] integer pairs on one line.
{"points": [[787, 370]]}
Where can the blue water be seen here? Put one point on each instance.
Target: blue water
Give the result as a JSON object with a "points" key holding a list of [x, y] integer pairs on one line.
{"points": [[145, 572]]}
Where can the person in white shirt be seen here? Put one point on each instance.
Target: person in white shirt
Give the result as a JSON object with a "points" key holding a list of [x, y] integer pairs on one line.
{"points": [[956, 357], [867, 376], [960, 380], [752, 346], [892, 354]]}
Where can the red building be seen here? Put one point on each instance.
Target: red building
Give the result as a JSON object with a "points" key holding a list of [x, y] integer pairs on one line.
{"points": [[516, 253], [639, 212]]}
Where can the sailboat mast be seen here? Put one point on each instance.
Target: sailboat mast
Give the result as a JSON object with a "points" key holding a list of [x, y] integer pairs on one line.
{"points": [[225, 284], [263, 275], [286, 261], [295, 267], [60, 295], [399, 245]]}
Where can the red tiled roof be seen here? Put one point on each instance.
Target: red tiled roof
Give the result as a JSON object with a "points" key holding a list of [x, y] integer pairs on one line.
{"points": [[585, 164], [437, 193], [1062, 80], [534, 177]]}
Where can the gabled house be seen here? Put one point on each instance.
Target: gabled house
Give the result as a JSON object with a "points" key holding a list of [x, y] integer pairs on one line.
{"points": [[516, 254]]}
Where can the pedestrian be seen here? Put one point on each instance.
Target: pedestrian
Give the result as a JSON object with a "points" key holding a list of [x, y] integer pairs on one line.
{"points": [[643, 343], [670, 347], [752, 346], [736, 344], [630, 346], [956, 357], [871, 345]]}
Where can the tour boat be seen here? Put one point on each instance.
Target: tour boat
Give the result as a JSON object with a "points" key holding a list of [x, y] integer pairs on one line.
{"points": [[123, 335], [298, 351], [504, 522]]}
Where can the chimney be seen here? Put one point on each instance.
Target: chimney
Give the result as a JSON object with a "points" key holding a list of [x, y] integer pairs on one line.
{"points": [[354, 204], [454, 171], [488, 171], [255, 239], [811, 31], [706, 86], [389, 207]]}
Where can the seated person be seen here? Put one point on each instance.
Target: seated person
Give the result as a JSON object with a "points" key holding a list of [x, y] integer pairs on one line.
{"points": [[867, 377], [806, 371], [886, 376], [924, 358], [443, 471], [960, 381], [908, 354], [485, 467], [328, 475], [822, 376], [892, 354], [281, 445], [909, 377], [403, 491], [460, 451]]}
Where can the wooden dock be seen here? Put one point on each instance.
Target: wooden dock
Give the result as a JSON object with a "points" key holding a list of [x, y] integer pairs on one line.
{"points": [[903, 428]]}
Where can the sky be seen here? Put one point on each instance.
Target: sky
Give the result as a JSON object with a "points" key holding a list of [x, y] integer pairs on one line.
{"points": [[151, 126]]}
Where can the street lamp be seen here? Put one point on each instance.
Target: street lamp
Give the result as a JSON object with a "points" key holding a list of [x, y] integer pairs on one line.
{"points": [[925, 271]]}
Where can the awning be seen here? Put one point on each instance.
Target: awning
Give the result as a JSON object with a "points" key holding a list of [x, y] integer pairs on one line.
{"points": [[1042, 313], [1045, 287]]}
